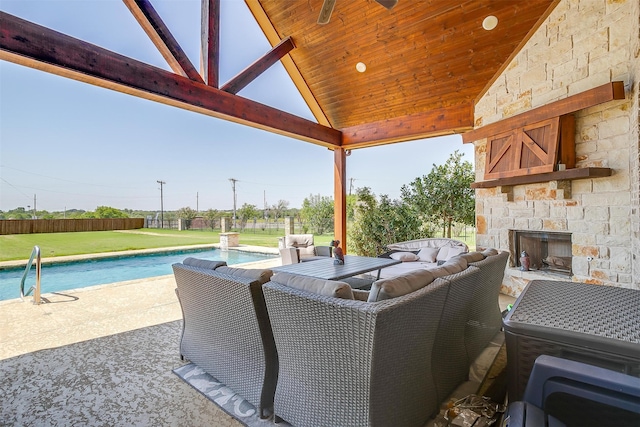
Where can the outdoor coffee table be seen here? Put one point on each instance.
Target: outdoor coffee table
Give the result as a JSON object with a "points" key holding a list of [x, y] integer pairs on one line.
{"points": [[326, 269]]}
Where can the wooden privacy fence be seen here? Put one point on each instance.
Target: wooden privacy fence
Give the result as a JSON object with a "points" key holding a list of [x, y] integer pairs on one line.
{"points": [[29, 226]]}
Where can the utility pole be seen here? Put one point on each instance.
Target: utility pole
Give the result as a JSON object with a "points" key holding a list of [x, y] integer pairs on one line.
{"points": [[233, 187], [197, 202], [34, 207], [161, 204]]}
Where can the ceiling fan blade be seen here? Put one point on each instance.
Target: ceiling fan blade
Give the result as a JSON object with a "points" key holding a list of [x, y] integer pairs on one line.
{"points": [[389, 4], [325, 12]]}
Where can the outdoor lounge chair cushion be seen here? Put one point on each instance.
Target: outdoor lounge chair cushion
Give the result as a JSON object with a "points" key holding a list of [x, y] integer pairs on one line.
{"points": [[404, 256], [428, 254], [203, 263], [329, 288], [400, 285], [260, 275]]}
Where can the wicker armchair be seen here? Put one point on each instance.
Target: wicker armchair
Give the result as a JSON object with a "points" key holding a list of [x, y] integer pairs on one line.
{"points": [[354, 363], [227, 332]]}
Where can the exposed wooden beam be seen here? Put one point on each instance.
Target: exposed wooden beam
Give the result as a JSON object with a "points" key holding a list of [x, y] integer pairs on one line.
{"points": [[274, 38], [589, 98], [160, 35], [444, 121], [32, 45], [210, 42], [340, 197], [250, 73]]}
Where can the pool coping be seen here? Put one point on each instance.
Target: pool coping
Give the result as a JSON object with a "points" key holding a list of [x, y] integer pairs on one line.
{"points": [[102, 255]]}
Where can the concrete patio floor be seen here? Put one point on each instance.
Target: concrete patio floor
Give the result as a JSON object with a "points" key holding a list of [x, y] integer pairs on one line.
{"points": [[102, 355]]}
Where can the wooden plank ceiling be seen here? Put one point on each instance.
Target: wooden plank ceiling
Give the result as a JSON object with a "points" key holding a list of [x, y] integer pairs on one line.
{"points": [[427, 61]]}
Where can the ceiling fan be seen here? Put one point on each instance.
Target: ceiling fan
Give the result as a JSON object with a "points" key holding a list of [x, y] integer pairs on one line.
{"points": [[327, 8]]}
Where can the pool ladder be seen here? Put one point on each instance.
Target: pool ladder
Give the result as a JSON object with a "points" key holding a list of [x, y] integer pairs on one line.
{"points": [[35, 254]]}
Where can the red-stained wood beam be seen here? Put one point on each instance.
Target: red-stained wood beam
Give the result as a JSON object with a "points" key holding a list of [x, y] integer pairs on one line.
{"points": [[210, 42], [340, 197], [427, 124], [250, 73], [589, 98], [32, 45], [160, 35]]}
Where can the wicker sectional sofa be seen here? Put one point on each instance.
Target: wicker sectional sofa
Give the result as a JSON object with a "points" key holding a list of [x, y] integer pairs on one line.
{"points": [[388, 356]]}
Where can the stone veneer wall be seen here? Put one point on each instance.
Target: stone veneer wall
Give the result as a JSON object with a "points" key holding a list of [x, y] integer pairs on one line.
{"points": [[635, 136], [582, 44]]}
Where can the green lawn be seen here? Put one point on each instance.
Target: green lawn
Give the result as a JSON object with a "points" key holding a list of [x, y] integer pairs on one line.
{"points": [[19, 246]]}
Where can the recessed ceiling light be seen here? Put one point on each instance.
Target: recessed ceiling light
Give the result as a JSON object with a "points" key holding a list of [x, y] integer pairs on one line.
{"points": [[361, 67], [490, 22]]}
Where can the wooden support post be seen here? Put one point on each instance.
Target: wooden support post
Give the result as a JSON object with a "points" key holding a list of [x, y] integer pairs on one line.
{"points": [[340, 197]]}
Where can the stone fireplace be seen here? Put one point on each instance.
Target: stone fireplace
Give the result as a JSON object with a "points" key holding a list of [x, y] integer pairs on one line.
{"points": [[574, 225], [546, 251]]}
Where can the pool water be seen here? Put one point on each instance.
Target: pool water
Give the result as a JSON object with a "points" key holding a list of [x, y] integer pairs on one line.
{"points": [[80, 274]]}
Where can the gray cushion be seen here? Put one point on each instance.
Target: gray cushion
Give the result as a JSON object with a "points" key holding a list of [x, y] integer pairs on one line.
{"points": [[260, 275], [394, 287], [489, 252], [453, 266], [472, 256], [329, 288], [203, 263]]}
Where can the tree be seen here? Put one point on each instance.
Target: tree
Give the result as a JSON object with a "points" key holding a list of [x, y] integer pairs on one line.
{"points": [[188, 215], [105, 212], [279, 210], [317, 211], [246, 212], [211, 216], [445, 194], [379, 223]]}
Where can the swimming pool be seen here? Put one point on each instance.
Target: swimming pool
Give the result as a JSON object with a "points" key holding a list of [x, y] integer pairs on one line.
{"points": [[79, 274]]}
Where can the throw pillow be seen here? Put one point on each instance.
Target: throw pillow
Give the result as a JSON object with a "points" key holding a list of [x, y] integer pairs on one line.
{"points": [[447, 252], [329, 288], [428, 254], [398, 286], [260, 275], [404, 256], [203, 263]]}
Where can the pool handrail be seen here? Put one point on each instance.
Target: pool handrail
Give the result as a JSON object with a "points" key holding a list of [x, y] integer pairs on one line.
{"points": [[35, 253]]}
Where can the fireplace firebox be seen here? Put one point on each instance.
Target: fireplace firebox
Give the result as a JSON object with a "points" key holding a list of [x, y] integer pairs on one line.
{"points": [[547, 251]]}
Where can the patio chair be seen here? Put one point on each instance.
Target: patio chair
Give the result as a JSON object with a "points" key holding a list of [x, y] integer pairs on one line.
{"points": [[305, 247], [353, 363], [226, 332], [563, 392], [289, 256]]}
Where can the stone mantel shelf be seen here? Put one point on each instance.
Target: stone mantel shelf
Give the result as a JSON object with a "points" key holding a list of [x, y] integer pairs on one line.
{"points": [[565, 175]]}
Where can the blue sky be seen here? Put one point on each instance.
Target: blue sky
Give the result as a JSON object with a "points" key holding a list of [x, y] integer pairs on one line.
{"points": [[78, 146]]}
